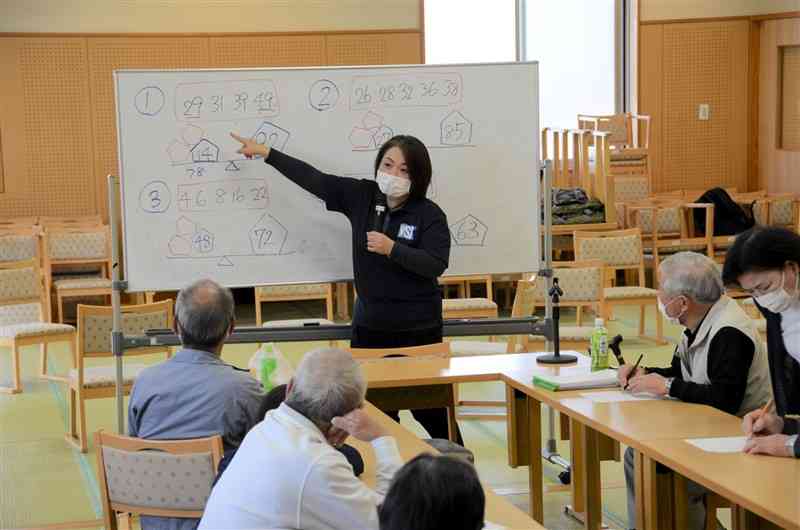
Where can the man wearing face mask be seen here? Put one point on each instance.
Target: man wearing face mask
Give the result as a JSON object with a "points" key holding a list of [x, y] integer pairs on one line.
{"points": [[719, 360], [397, 256]]}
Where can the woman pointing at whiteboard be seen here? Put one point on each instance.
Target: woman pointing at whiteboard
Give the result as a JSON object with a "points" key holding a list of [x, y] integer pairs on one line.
{"points": [[396, 259]]}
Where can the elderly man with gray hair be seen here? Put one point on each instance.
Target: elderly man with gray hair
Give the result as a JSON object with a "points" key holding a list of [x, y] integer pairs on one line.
{"points": [[287, 473], [194, 394], [719, 360]]}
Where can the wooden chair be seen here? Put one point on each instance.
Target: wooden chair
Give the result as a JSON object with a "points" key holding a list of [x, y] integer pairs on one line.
{"points": [[93, 342], [18, 222], [22, 317], [70, 221], [583, 283], [524, 303], [621, 250], [424, 396], [668, 227], [20, 243], [289, 292], [86, 254], [165, 478], [464, 284]]}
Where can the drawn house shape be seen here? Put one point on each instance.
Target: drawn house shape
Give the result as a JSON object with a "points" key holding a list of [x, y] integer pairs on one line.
{"points": [[205, 151], [456, 129], [272, 135]]}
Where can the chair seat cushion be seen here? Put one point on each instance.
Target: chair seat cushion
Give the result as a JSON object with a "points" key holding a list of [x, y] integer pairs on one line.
{"points": [[573, 333], [100, 376], [446, 447], [297, 322], [458, 304], [32, 329], [83, 283], [616, 293], [477, 347], [305, 289]]}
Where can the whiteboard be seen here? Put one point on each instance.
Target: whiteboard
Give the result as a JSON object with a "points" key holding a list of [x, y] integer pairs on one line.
{"points": [[193, 208]]}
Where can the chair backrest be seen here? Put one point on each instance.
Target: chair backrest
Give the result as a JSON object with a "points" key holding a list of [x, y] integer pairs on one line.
{"points": [[617, 125], [74, 221], [440, 349], [167, 478], [581, 281], [95, 323], [668, 219], [617, 249], [20, 244], [19, 222], [21, 293], [91, 244]]}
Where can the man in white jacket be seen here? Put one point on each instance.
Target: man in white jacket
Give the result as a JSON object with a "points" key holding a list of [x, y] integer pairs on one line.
{"points": [[287, 473]]}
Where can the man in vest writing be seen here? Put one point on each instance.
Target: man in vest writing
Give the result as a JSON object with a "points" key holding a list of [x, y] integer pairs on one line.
{"points": [[719, 360]]}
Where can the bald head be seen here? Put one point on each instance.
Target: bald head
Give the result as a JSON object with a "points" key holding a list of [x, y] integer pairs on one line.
{"points": [[204, 313], [327, 383]]}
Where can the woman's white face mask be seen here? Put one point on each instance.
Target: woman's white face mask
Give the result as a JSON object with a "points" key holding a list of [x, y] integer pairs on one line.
{"points": [[779, 300], [663, 308], [392, 186]]}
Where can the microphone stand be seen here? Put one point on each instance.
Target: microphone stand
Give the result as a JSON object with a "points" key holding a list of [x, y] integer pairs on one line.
{"points": [[555, 294]]}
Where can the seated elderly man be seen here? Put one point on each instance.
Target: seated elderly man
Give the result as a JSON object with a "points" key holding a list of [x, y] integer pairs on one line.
{"points": [[287, 473], [719, 360], [194, 394]]}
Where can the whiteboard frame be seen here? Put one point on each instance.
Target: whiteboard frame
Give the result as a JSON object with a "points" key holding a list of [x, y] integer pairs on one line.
{"points": [[120, 154]]}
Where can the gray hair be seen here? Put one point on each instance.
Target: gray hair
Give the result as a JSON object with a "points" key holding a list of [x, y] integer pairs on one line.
{"points": [[204, 312], [693, 275], [328, 383]]}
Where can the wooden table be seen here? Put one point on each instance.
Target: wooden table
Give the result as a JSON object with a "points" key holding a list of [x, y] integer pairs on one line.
{"points": [[498, 510], [768, 488]]}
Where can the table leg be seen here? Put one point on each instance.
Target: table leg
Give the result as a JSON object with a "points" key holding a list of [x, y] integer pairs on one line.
{"points": [[577, 465], [649, 492], [680, 498], [517, 427], [593, 517], [747, 520], [342, 301], [535, 472]]}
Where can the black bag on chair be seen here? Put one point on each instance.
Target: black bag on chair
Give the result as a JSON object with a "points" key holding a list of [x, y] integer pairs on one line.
{"points": [[729, 217]]}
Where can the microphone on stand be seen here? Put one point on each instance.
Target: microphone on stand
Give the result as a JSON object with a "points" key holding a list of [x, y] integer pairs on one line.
{"points": [[380, 212]]}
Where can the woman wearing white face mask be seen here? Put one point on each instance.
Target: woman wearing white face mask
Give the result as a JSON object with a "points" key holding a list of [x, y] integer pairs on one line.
{"points": [[396, 268], [766, 263]]}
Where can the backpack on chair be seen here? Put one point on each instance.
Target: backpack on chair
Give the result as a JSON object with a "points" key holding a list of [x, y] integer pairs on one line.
{"points": [[729, 217]]}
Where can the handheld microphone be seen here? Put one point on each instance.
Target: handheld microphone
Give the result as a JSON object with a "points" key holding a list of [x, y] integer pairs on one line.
{"points": [[380, 212]]}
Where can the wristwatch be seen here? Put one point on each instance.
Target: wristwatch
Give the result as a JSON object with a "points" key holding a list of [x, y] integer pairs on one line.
{"points": [[668, 384]]}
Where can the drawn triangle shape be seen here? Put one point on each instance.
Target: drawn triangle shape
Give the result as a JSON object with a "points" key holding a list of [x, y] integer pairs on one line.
{"points": [[225, 261], [231, 166]]}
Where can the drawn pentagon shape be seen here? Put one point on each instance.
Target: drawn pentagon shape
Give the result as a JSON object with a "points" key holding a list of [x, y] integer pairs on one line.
{"points": [[272, 135], [362, 138], [203, 241], [456, 129], [180, 246], [469, 232], [205, 151], [178, 152], [267, 236]]}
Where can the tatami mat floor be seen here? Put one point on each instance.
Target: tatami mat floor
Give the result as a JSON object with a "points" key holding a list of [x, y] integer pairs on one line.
{"points": [[44, 481]]}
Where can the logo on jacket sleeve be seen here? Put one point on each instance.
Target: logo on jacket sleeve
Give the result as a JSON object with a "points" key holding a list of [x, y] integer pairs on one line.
{"points": [[406, 232]]}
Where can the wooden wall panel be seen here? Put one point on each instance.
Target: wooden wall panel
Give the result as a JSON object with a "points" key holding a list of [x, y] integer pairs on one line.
{"points": [[261, 51], [57, 113], [46, 128], [389, 48], [699, 63], [779, 169], [107, 54], [789, 122]]}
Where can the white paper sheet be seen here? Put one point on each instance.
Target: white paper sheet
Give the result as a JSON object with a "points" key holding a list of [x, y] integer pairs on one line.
{"points": [[488, 525], [730, 444], [616, 396]]}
